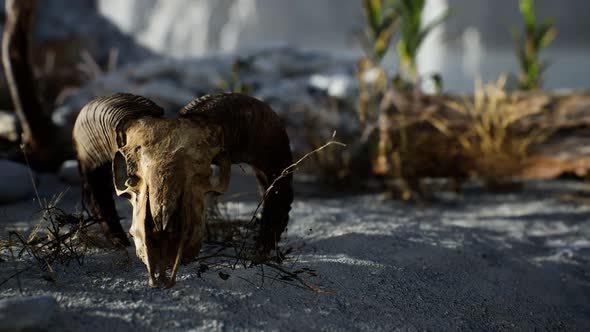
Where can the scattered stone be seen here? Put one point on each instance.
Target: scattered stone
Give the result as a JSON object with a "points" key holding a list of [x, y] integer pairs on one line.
{"points": [[340, 86], [69, 172], [16, 182], [27, 313], [9, 126]]}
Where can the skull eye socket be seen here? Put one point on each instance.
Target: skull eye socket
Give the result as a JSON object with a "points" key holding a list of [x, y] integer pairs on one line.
{"points": [[215, 177], [123, 181], [220, 173]]}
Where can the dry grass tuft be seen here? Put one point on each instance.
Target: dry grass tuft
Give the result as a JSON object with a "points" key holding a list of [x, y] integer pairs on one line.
{"points": [[487, 136], [491, 139], [59, 238], [230, 244]]}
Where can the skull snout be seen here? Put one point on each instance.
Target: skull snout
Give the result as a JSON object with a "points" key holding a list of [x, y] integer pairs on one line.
{"points": [[167, 227], [165, 244], [163, 255]]}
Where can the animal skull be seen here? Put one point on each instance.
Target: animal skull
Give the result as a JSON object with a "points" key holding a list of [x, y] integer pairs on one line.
{"points": [[166, 176], [164, 167]]}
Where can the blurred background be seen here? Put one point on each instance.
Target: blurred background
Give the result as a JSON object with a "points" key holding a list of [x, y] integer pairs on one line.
{"points": [[459, 201], [476, 41], [405, 83]]}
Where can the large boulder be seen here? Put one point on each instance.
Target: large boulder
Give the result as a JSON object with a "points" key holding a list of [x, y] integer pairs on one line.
{"points": [[315, 93]]}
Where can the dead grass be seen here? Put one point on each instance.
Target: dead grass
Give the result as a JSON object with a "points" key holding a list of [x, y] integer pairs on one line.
{"points": [[230, 244], [491, 139], [333, 167], [455, 138], [59, 238], [62, 238]]}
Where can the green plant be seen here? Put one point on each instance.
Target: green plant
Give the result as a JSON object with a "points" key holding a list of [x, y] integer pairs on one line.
{"points": [[536, 37], [234, 82], [382, 21], [382, 18], [413, 33], [377, 110]]}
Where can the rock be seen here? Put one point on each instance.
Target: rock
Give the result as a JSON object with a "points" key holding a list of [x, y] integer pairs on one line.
{"points": [[69, 172], [9, 126], [339, 86], [302, 87], [117, 81], [27, 313], [284, 92], [286, 62], [166, 93], [204, 74], [16, 182]]}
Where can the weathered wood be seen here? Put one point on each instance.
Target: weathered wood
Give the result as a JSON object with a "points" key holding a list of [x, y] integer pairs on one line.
{"points": [[565, 117], [39, 134]]}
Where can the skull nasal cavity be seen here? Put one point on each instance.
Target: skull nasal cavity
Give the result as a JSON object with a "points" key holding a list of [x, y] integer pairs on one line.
{"points": [[149, 219]]}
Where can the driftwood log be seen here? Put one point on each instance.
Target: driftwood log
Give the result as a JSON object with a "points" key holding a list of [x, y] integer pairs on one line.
{"points": [[40, 136], [566, 150]]}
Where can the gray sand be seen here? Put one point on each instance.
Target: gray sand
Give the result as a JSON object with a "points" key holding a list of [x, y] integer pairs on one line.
{"points": [[473, 262]]}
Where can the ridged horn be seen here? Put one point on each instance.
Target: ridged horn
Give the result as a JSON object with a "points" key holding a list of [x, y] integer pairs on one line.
{"points": [[98, 126], [101, 121], [254, 134]]}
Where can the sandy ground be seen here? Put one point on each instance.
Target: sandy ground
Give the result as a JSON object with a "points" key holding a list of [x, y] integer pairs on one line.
{"points": [[472, 262]]}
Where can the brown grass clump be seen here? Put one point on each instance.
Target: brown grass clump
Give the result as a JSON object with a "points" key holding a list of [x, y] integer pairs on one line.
{"points": [[411, 148], [485, 136], [230, 244], [491, 138], [59, 238]]}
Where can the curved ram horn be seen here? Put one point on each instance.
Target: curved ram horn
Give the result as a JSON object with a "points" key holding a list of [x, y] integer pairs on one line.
{"points": [[98, 128], [254, 134]]}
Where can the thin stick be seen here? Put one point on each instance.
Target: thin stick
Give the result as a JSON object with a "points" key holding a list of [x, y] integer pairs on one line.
{"points": [[288, 170]]}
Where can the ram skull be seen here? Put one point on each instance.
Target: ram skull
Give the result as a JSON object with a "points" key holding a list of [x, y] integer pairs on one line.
{"points": [[164, 167]]}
